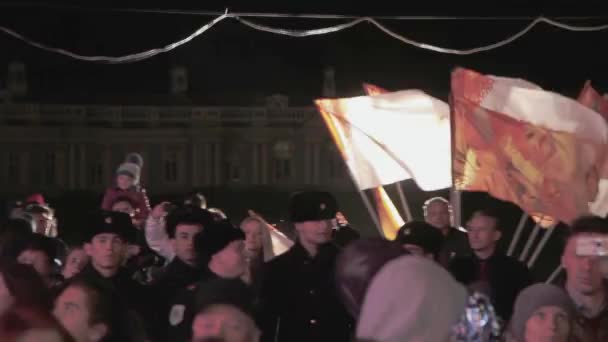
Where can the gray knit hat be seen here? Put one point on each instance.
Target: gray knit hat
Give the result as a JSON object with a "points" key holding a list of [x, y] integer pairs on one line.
{"points": [[131, 167], [533, 298]]}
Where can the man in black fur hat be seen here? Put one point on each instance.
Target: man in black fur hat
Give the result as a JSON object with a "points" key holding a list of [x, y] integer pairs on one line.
{"points": [[299, 297]]}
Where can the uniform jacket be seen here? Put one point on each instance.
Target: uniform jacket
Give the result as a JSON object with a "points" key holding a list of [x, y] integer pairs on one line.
{"points": [[300, 300]]}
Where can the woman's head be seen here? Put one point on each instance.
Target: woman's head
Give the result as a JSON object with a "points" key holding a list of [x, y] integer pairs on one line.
{"points": [[88, 311], [542, 312], [257, 237]]}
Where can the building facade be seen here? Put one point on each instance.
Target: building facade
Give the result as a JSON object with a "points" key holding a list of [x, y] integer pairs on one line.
{"points": [[54, 148]]}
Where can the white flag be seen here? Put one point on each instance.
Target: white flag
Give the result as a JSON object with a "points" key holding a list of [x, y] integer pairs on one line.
{"points": [[392, 137]]}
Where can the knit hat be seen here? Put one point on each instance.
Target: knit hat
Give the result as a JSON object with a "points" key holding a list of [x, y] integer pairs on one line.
{"points": [[533, 298], [357, 264], [225, 291], [131, 167], [312, 206], [213, 239], [421, 234], [411, 299]]}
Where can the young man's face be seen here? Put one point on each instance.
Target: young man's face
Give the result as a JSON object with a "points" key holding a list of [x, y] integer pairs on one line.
{"points": [[183, 242], [315, 232], [106, 250]]}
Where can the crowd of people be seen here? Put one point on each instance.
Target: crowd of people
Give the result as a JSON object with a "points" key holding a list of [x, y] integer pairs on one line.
{"points": [[185, 272]]}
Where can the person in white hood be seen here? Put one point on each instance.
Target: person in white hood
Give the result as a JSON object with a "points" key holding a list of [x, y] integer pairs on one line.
{"points": [[411, 299]]}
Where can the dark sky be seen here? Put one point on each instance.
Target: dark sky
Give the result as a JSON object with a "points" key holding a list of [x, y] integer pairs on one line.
{"points": [[233, 64]]}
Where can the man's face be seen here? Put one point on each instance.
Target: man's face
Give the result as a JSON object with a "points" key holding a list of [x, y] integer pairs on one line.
{"points": [[584, 273], [232, 259], [225, 323], [438, 214], [183, 242], [315, 232], [43, 222], [482, 232], [106, 250], [38, 260]]}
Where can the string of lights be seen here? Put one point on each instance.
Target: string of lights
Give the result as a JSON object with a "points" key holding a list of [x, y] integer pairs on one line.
{"points": [[240, 17]]}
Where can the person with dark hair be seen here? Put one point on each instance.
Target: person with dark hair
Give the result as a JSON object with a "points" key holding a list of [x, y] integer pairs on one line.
{"points": [[438, 213], [299, 296], [128, 185], [586, 283], [92, 313], [13, 235], [182, 224], [40, 253], [22, 285], [504, 276], [221, 254], [420, 238]]}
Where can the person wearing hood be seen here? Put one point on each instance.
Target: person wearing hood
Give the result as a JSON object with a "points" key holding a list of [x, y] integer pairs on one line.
{"points": [[128, 185], [542, 313]]}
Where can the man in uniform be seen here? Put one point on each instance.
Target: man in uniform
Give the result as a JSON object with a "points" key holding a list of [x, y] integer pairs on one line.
{"points": [[106, 241], [299, 296]]}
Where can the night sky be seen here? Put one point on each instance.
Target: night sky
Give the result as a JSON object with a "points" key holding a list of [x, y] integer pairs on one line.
{"points": [[234, 65]]}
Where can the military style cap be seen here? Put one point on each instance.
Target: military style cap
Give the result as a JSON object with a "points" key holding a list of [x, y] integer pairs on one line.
{"points": [[103, 221], [421, 234], [312, 206]]}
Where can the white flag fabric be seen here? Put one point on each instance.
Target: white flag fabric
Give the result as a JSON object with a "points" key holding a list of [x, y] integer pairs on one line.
{"points": [[391, 137]]}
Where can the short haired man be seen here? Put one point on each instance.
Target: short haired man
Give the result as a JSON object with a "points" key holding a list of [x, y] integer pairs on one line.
{"points": [[586, 282], [438, 213], [504, 276]]}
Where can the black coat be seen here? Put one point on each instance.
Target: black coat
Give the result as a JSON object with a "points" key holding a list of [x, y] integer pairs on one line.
{"points": [[299, 298], [174, 278], [133, 295], [507, 277]]}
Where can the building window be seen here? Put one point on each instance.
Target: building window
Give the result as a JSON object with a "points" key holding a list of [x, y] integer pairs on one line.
{"points": [[282, 169], [96, 174], [13, 171], [50, 167], [282, 162], [171, 167]]}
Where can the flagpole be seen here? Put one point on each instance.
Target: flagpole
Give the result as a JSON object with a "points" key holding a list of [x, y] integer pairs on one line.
{"points": [[456, 199], [371, 211], [517, 235], [540, 246], [531, 238], [554, 275], [404, 203]]}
